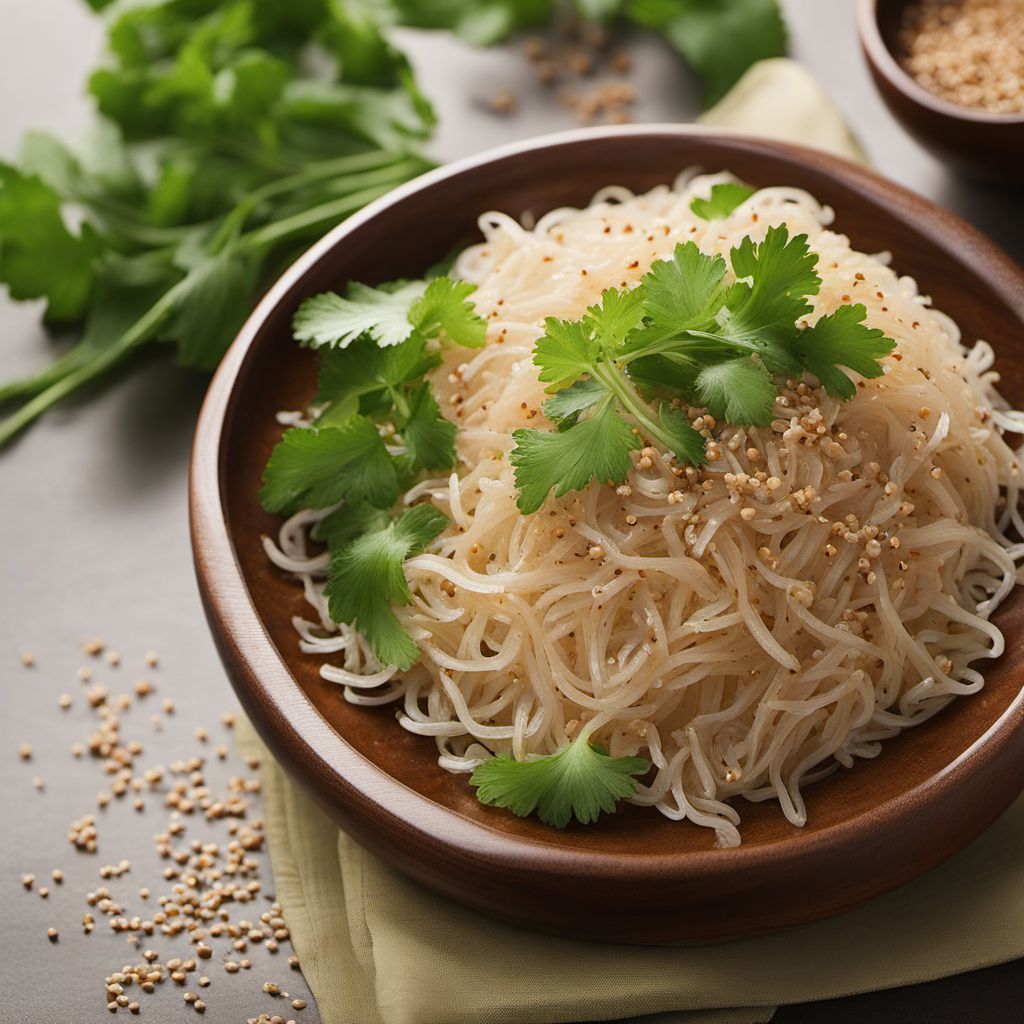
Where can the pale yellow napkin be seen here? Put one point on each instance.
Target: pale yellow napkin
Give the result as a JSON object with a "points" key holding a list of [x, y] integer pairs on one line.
{"points": [[780, 99], [378, 949]]}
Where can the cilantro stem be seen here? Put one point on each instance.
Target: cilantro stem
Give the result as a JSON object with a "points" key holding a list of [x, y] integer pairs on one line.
{"points": [[326, 214], [357, 173], [51, 373], [615, 381], [105, 359], [694, 341]]}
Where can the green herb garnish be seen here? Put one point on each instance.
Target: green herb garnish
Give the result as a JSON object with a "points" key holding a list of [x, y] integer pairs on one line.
{"points": [[724, 198], [366, 580], [684, 335], [580, 782], [375, 347], [219, 154]]}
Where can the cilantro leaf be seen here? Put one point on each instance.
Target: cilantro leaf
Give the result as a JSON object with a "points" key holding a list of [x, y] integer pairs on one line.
{"points": [[738, 391], [565, 406], [314, 468], [368, 374], [842, 339], [213, 302], [444, 308], [389, 314], [39, 257], [782, 271], [684, 292], [616, 315], [724, 199], [564, 353], [596, 448], [677, 434], [366, 579], [580, 781], [429, 437], [347, 522], [335, 322]]}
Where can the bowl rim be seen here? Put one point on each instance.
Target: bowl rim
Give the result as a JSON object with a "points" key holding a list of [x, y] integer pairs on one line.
{"points": [[312, 747], [885, 63]]}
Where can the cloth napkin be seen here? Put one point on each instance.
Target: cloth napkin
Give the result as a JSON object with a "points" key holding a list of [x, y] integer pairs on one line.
{"points": [[378, 949]]}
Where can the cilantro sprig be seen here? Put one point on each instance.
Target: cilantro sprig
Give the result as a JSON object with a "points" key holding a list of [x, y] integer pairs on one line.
{"points": [[580, 781], [689, 334], [366, 580], [219, 153], [377, 428]]}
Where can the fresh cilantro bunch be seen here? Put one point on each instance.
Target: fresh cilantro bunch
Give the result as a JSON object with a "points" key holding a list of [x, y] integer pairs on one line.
{"points": [[377, 427], [689, 334], [218, 155]]}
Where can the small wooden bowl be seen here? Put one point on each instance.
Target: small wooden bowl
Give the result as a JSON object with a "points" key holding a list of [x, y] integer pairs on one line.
{"points": [[976, 143], [634, 876]]}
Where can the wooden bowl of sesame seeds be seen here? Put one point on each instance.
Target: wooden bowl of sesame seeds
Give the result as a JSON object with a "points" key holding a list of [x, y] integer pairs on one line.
{"points": [[635, 876], [952, 73]]}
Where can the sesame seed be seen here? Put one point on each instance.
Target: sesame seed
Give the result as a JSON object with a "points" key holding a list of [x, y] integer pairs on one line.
{"points": [[967, 53], [25, 751]]}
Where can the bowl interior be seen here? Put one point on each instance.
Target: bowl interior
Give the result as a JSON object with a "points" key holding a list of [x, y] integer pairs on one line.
{"points": [[969, 279]]}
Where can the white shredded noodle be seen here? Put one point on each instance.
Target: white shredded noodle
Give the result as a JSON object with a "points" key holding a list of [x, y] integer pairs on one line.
{"points": [[744, 653]]}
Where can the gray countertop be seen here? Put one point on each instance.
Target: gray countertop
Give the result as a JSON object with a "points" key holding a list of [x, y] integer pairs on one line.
{"points": [[94, 539]]}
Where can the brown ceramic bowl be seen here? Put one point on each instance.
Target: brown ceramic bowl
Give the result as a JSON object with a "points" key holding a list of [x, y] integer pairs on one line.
{"points": [[634, 876], [979, 144]]}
